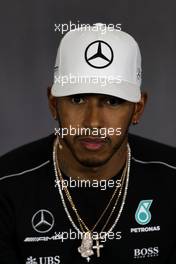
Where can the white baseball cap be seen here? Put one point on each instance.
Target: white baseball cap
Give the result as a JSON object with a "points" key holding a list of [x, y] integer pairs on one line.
{"points": [[91, 62]]}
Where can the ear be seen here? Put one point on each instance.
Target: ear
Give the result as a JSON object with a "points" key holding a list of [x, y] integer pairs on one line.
{"points": [[139, 108], [52, 103]]}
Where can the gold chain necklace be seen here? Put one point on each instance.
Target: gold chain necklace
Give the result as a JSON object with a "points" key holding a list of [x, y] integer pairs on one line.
{"points": [[83, 226], [86, 248]]}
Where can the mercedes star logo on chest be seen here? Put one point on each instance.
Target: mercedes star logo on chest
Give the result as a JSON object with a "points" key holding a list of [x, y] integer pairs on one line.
{"points": [[42, 221]]}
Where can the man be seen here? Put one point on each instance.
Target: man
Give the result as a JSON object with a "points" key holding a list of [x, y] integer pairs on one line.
{"points": [[97, 195]]}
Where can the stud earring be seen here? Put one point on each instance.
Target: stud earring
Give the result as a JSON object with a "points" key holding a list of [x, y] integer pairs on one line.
{"points": [[135, 122]]}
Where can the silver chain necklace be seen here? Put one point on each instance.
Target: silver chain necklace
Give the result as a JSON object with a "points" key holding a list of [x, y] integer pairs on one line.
{"points": [[87, 242]]}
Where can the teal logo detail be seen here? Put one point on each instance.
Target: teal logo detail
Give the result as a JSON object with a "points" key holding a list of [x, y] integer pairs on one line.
{"points": [[143, 215]]}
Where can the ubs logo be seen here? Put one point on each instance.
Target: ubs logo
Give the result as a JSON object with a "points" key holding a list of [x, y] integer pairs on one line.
{"points": [[43, 260]]}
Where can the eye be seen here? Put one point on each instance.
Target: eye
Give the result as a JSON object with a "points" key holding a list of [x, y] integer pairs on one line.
{"points": [[77, 99], [114, 101]]}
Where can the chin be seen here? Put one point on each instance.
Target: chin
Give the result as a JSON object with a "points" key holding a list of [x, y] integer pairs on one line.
{"points": [[92, 161]]}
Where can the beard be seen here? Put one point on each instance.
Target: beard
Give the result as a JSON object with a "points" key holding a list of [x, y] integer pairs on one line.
{"points": [[96, 160]]}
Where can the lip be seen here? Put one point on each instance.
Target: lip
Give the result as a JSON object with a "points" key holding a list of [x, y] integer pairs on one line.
{"points": [[92, 143]]}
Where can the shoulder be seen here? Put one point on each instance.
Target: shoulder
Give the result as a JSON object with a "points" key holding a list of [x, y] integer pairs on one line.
{"points": [[26, 158], [145, 151]]}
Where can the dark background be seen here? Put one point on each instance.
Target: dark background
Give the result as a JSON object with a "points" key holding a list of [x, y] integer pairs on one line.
{"points": [[28, 48]]}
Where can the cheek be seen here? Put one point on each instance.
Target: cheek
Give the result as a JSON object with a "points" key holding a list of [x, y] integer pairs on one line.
{"points": [[125, 120], [119, 119], [70, 117]]}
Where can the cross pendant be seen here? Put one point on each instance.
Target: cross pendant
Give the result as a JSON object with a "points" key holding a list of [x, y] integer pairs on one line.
{"points": [[97, 247]]}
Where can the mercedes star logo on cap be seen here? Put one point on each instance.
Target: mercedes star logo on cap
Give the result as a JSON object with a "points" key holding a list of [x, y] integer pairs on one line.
{"points": [[42, 221], [99, 54]]}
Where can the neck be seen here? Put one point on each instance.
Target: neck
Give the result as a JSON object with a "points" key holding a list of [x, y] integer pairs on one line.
{"points": [[72, 168]]}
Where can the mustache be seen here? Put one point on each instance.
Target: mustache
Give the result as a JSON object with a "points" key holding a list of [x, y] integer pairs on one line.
{"points": [[93, 137], [79, 132]]}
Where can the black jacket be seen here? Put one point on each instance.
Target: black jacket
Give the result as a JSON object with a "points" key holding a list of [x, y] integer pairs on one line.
{"points": [[35, 229]]}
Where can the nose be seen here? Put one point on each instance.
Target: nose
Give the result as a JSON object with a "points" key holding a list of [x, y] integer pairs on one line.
{"points": [[93, 117]]}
